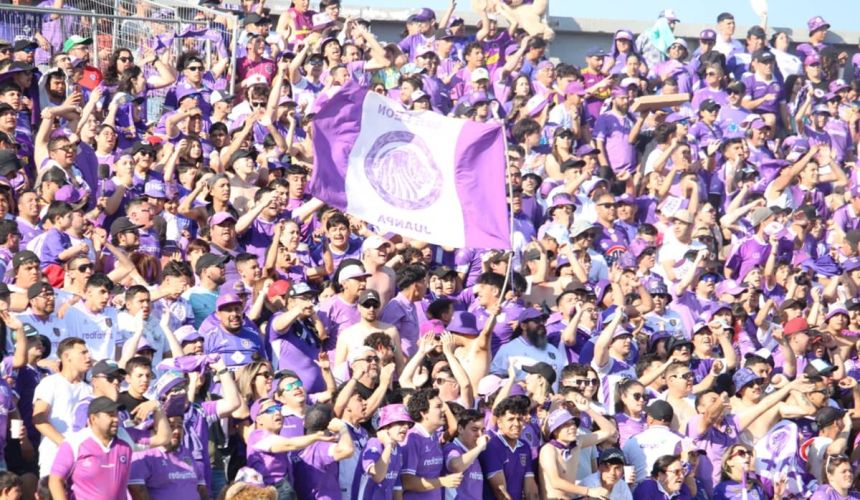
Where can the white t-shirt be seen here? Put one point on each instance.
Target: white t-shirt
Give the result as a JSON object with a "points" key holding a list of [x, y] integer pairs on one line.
{"points": [[619, 492], [98, 330], [54, 328], [152, 332], [643, 449], [63, 396]]}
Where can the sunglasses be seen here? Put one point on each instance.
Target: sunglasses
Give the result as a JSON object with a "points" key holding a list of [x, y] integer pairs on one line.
{"points": [[685, 376], [741, 453], [28, 50], [125, 59], [113, 379], [67, 148], [265, 374], [85, 267], [638, 396], [608, 205], [371, 304], [272, 410], [587, 381], [292, 385], [258, 104], [370, 359], [194, 68]]}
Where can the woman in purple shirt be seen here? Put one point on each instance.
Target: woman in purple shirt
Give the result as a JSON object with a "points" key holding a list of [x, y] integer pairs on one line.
{"points": [[382, 458], [840, 479], [630, 408]]}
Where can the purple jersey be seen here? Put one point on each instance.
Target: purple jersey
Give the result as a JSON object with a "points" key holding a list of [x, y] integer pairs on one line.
{"points": [[422, 457], [236, 349], [94, 471], [403, 314], [167, 475], [364, 487], [271, 465], [316, 473], [336, 315], [297, 349], [613, 130], [515, 463], [472, 487], [714, 440]]}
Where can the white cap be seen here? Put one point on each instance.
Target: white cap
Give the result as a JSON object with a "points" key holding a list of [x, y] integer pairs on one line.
{"points": [[373, 243], [359, 353], [480, 74], [350, 272]]}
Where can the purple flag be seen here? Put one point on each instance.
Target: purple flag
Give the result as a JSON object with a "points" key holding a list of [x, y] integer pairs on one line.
{"points": [[420, 174]]}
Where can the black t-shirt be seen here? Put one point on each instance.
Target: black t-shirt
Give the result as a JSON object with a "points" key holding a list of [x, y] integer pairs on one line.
{"points": [[129, 401]]}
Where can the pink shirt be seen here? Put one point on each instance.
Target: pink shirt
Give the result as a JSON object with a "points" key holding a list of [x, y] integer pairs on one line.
{"points": [[94, 471]]}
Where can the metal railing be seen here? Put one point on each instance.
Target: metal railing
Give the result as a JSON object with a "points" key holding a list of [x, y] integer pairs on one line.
{"points": [[133, 25]]}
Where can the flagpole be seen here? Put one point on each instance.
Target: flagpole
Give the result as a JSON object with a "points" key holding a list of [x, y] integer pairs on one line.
{"points": [[510, 188]]}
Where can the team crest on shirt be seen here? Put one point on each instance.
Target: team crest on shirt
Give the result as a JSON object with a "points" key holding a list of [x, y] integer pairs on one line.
{"points": [[551, 355], [246, 343], [56, 332], [109, 322], [522, 460]]}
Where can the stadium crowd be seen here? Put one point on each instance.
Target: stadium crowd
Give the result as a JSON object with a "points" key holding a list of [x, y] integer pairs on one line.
{"points": [[678, 315]]}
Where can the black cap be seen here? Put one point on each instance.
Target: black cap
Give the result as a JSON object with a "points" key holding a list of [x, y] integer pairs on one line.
{"points": [[611, 455], [102, 404], [571, 163], [827, 416], [37, 288], [369, 295], [9, 163], [757, 31], [21, 66], [763, 55], [252, 18], [139, 146], [852, 303], [660, 410], [23, 44], [106, 367], [242, 153], [676, 343], [55, 174], [792, 303], [4, 289], [443, 34], [209, 260], [122, 225], [543, 369], [24, 257], [709, 105], [443, 271], [531, 254]]}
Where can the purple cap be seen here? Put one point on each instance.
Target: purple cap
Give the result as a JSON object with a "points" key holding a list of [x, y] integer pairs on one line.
{"points": [[510, 49], [853, 263], [187, 333], [838, 85], [619, 92], [431, 327], [812, 59], [535, 105], [557, 419], [226, 299], [627, 262], [68, 194], [586, 149], [562, 200], [489, 384], [529, 314], [261, 405], [624, 35], [424, 15], [743, 377], [220, 218], [821, 109], [638, 247], [574, 88], [675, 118], [476, 98], [168, 381], [393, 414], [184, 90], [155, 189], [708, 35], [545, 65], [817, 23], [835, 311], [517, 390], [730, 287], [621, 332], [463, 323]]}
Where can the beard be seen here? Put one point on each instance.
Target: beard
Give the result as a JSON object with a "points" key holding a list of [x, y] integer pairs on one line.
{"points": [[537, 336]]}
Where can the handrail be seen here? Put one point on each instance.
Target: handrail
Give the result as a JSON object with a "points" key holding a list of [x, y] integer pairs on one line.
{"points": [[95, 15]]}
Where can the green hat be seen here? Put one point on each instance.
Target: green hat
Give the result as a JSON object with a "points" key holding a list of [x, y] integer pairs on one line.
{"points": [[75, 40]]}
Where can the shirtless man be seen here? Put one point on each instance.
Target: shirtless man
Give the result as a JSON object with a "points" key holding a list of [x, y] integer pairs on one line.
{"points": [[472, 347], [375, 252], [679, 394], [369, 305], [559, 459]]}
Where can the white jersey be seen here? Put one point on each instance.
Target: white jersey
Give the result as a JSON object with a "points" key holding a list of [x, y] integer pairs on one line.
{"points": [[153, 333], [643, 449], [53, 327], [98, 330], [62, 396]]}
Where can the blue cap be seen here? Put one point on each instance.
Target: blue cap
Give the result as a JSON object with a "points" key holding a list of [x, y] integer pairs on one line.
{"points": [[743, 377], [596, 52]]}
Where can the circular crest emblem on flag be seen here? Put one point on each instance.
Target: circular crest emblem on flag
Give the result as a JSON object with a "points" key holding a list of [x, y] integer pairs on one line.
{"points": [[401, 169]]}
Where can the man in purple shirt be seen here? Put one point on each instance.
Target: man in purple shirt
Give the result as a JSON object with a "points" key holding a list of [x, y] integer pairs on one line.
{"points": [[422, 453], [764, 94], [461, 455], [755, 249], [341, 310], [236, 343], [169, 471], [94, 460], [507, 462], [316, 470], [616, 133], [401, 311]]}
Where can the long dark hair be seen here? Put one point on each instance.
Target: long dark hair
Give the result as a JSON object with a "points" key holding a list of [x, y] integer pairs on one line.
{"points": [[126, 81], [112, 75]]}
